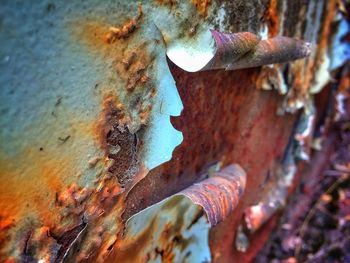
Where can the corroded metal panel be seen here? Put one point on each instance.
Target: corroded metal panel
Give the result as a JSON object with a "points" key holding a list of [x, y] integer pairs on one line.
{"points": [[90, 116], [177, 228]]}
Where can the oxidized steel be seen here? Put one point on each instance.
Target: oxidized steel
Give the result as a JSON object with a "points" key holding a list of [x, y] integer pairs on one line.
{"points": [[220, 194], [230, 47], [271, 51], [176, 229], [86, 135]]}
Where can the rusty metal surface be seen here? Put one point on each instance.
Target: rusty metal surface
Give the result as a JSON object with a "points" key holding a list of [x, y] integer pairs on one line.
{"points": [[86, 133], [220, 194], [238, 51], [177, 228]]}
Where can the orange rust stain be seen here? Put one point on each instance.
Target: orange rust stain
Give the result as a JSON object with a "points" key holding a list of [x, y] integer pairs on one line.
{"points": [[202, 6], [169, 3], [326, 27], [304, 77], [168, 255], [31, 185], [125, 30], [133, 67], [272, 17], [129, 64], [131, 59], [29, 190], [128, 250], [102, 126]]}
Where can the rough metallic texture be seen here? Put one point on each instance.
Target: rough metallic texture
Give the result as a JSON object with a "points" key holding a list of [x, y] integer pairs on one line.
{"points": [[174, 230], [177, 228], [271, 51], [220, 194], [230, 47], [239, 51], [86, 119]]}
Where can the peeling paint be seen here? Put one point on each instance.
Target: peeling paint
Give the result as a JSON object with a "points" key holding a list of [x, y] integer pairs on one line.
{"points": [[86, 117], [176, 229]]}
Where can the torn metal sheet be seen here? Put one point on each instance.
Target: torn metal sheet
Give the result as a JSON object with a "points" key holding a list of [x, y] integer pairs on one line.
{"points": [[255, 216], [274, 199], [85, 113], [220, 194], [239, 51], [177, 229]]}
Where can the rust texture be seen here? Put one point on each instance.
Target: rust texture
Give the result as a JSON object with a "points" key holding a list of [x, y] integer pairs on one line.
{"points": [[238, 96], [272, 17], [220, 194], [74, 204], [119, 142], [247, 50], [271, 51], [306, 75], [202, 6], [230, 47], [165, 232], [125, 30], [166, 227]]}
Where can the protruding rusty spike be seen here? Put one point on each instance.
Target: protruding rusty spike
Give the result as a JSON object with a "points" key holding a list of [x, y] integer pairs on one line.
{"points": [[230, 47], [220, 194], [275, 50]]}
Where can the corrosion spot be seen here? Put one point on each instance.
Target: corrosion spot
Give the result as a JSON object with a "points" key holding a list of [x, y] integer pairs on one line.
{"points": [[125, 157], [202, 6], [125, 30], [119, 143]]}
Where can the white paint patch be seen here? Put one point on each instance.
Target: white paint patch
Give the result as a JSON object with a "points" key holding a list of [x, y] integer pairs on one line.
{"points": [[192, 57], [264, 32]]}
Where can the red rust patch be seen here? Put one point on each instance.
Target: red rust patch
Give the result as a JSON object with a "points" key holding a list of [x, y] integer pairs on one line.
{"points": [[123, 252], [169, 3]]}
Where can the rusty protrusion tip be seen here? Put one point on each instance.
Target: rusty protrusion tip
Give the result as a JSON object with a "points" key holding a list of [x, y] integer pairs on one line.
{"points": [[220, 194]]}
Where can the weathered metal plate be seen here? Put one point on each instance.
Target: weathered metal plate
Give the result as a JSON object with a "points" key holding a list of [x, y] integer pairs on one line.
{"points": [[86, 137]]}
